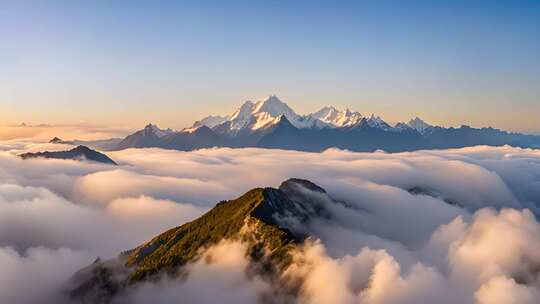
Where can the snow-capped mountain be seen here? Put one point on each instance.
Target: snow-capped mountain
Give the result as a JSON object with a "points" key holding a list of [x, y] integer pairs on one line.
{"points": [[259, 115], [377, 123], [419, 125], [402, 127], [211, 121], [267, 112], [271, 123], [336, 118], [151, 128]]}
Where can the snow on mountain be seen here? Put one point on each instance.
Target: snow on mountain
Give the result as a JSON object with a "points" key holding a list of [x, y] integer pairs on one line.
{"points": [[419, 125], [336, 118], [211, 121], [275, 107], [402, 127], [151, 128], [261, 114], [267, 112], [377, 122]]}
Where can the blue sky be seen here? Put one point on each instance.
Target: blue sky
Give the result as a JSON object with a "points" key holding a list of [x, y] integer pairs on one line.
{"points": [[130, 62]]}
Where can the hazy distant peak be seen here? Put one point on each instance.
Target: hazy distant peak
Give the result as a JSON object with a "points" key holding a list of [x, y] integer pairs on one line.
{"points": [[154, 129], [419, 125], [81, 153], [401, 127], [377, 122], [336, 118], [211, 121], [56, 140]]}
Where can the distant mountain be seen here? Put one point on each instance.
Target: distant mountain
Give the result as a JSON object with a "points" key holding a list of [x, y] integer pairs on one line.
{"points": [[262, 114], [56, 140], [198, 138], [336, 118], [465, 136], [187, 140], [80, 153], [145, 138], [211, 121], [101, 144], [273, 216], [419, 125], [363, 136], [271, 123]]}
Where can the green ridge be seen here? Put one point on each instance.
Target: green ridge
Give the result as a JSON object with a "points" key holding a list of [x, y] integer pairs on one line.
{"points": [[182, 244]]}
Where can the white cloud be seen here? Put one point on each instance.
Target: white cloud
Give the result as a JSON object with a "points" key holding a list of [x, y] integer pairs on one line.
{"points": [[421, 248], [37, 275], [219, 276]]}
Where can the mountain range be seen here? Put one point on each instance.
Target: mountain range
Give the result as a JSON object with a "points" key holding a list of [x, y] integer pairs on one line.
{"points": [[271, 123]]}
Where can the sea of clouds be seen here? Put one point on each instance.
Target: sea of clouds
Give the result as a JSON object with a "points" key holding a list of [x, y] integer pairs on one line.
{"points": [[475, 239]]}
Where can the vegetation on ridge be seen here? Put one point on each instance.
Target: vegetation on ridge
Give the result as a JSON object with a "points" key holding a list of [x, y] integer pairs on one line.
{"points": [[180, 245]]}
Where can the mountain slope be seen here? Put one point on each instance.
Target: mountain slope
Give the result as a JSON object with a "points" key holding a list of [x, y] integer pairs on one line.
{"points": [[419, 125], [78, 153], [145, 138], [201, 137], [256, 218], [336, 118]]}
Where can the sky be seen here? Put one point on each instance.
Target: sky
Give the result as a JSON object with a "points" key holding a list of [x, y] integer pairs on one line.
{"points": [[127, 63]]}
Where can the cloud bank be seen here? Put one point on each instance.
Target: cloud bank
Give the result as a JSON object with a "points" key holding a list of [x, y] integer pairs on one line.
{"points": [[468, 232]]}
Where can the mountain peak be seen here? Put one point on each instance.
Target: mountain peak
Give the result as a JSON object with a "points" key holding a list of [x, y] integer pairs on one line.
{"points": [[78, 153], [263, 207], [261, 114], [252, 116], [419, 125], [417, 120], [377, 122], [81, 148], [298, 182], [211, 121], [336, 118], [56, 140], [266, 211], [274, 106], [327, 112], [154, 129]]}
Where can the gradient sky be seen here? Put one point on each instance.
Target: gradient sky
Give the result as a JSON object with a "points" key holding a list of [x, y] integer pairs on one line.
{"points": [[129, 62]]}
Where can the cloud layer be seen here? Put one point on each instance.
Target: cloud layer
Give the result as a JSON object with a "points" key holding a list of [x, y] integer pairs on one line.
{"points": [[470, 232]]}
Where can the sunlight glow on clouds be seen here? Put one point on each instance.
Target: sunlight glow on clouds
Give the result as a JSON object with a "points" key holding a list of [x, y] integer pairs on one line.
{"points": [[57, 216]]}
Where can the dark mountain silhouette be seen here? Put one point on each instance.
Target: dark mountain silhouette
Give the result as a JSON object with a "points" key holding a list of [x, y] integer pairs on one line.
{"points": [[79, 153], [56, 140]]}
